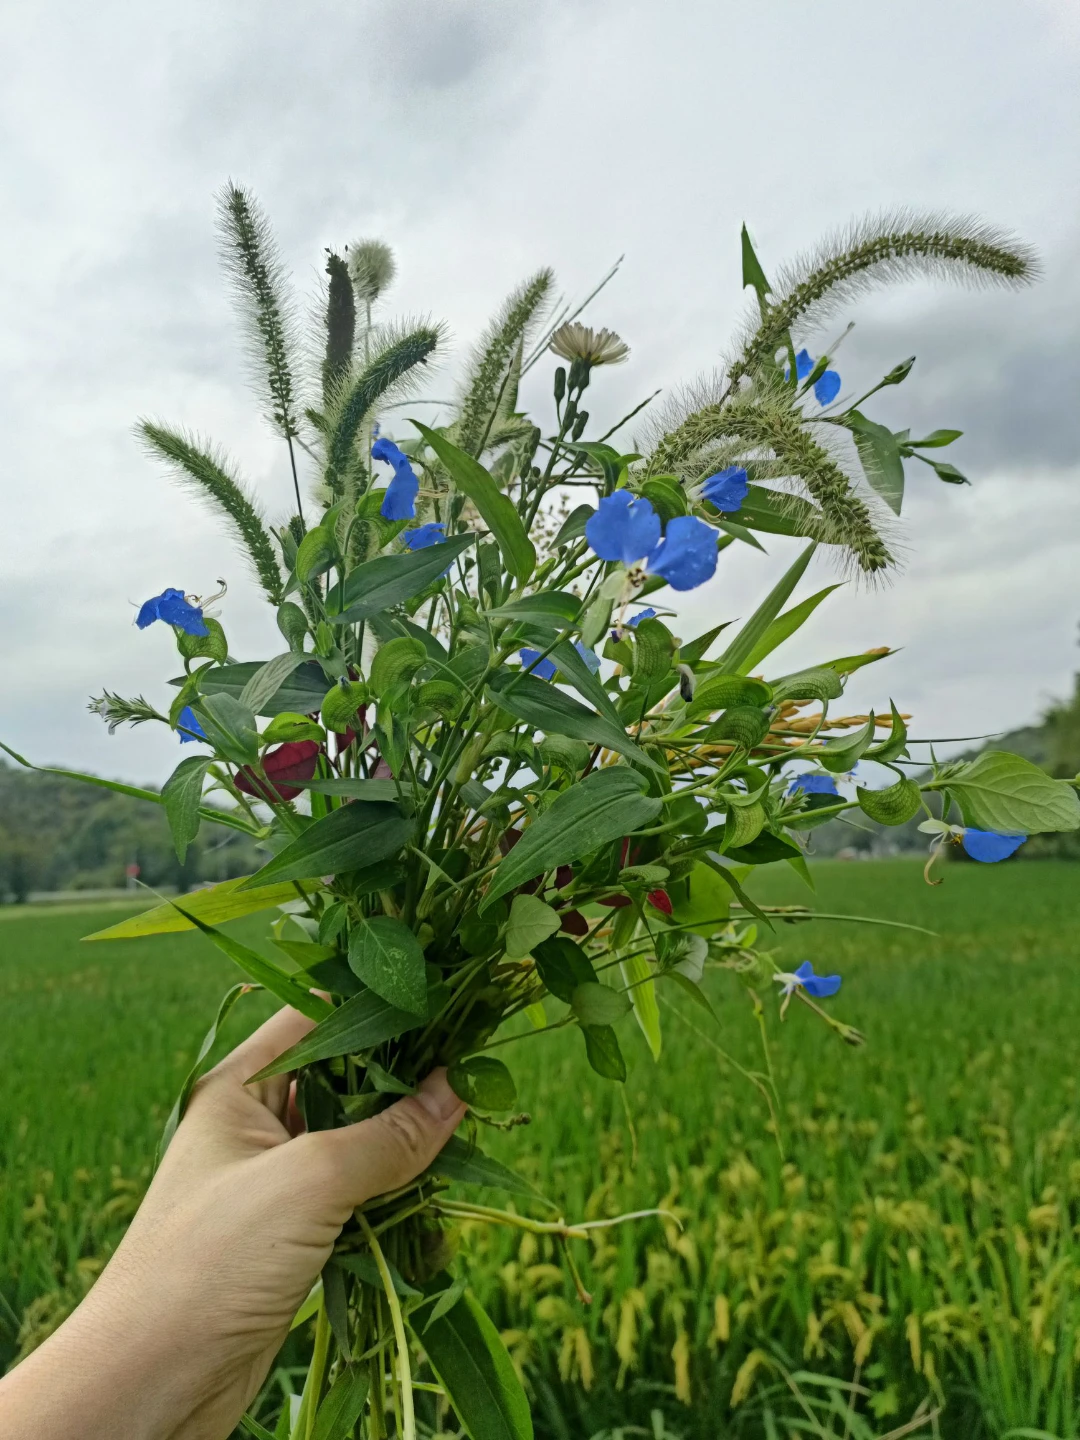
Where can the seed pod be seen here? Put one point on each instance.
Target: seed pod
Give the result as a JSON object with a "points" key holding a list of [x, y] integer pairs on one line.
{"points": [[579, 425], [894, 806], [560, 384]]}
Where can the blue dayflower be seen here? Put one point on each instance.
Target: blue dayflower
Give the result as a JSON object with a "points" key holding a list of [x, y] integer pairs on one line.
{"points": [[813, 785], [686, 556], [171, 607], [804, 363], [592, 660], [727, 489], [987, 846], [827, 387], [433, 533], [545, 669], [819, 986], [188, 722], [647, 614], [623, 528], [399, 502]]}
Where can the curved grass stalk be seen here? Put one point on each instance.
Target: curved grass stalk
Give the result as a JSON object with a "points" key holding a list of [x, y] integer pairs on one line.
{"points": [[408, 1417]]}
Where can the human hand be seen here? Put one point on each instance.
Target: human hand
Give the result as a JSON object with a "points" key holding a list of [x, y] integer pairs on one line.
{"points": [[178, 1334]]}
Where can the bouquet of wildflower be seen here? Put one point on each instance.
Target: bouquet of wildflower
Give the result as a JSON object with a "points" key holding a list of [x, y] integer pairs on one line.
{"points": [[500, 793]]}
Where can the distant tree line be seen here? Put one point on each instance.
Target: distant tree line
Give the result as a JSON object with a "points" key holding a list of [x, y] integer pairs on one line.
{"points": [[56, 834]]}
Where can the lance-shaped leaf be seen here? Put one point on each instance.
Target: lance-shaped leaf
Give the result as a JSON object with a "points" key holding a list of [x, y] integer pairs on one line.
{"points": [[355, 836], [262, 971], [554, 608], [474, 1368], [605, 806], [1001, 792], [176, 1114], [301, 692], [386, 955], [745, 650], [466, 1165], [880, 457], [841, 754], [637, 972], [550, 709], [390, 580], [496, 509], [229, 726], [182, 794], [268, 680], [213, 906], [362, 1022]]}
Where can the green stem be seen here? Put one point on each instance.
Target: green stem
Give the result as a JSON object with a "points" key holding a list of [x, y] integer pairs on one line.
{"points": [[309, 1405], [408, 1418]]}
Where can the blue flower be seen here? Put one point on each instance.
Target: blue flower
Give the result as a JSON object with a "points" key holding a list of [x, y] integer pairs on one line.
{"points": [[686, 556], [399, 503], [187, 721], [623, 528], [987, 846], [171, 607], [727, 489], [826, 386], [819, 986], [592, 660], [425, 535], [813, 785], [647, 614], [544, 669]]}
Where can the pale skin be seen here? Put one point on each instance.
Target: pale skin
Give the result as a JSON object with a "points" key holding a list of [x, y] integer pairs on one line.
{"points": [[178, 1334]]}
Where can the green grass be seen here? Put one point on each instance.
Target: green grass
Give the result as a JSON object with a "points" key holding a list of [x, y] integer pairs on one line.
{"points": [[918, 1230]]}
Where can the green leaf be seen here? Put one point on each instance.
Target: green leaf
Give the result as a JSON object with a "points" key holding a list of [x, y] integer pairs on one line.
{"points": [[641, 988], [694, 650], [301, 693], [818, 683], [605, 806], [654, 646], [386, 955], [776, 513], [396, 663], [949, 473], [896, 743], [840, 755], [261, 970], [497, 510], [545, 707], [354, 788], [752, 273], [182, 794], [356, 835], [880, 457], [563, 966], [894, 805], [1002, 792], [742, 533], [363, 1022], [252, 1428], [848, 664], [341, 1410], [554, 608], [365, 1267], [389, 580], [573, 527], [531, 921], [268, 680], [596, 1004], [209, 1040], [483, 1082], [755, 640], [701, 902], [587, 684], [466, 1165], [289, 727], [229, 726], [935, 439], [316, 552], [473, 1367], [214, 646], [447, 1299], [719, 692], [220, 903], [604, 1053]]}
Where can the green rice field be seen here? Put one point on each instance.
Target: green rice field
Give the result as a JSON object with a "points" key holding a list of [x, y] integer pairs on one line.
{"points": [[903, 1252]]}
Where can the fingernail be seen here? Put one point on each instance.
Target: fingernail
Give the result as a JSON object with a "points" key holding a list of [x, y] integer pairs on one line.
{"points": [[437, 1098]]}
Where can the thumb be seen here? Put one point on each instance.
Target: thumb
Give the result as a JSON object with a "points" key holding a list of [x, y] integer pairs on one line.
{"points": [[392, 1148]]}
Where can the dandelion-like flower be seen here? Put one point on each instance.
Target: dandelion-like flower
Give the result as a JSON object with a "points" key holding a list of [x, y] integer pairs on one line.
{"points": [[399, 502], [172, 607], [574, 341]]}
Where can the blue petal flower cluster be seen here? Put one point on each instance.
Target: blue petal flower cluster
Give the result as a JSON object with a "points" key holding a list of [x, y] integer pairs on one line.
{"points": [[171, 607], [727, 489], [826, 386], [627, 529], [987, 846], [399, 503], [819, 986]]}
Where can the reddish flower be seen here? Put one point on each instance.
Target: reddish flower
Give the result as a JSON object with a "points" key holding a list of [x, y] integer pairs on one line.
{"points": [[661, 899], [615, 902], [563, 875], [574, 923], [294, 761]]}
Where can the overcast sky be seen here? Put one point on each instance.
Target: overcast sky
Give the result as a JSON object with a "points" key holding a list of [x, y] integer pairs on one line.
{"points": [[483, 140]]}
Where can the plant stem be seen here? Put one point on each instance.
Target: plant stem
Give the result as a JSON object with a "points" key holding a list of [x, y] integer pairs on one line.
{"points": [[408, 1418], [309, 1405]]}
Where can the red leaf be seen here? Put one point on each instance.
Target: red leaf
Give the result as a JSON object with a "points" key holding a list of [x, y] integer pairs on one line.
{"points": [[295, 761]]}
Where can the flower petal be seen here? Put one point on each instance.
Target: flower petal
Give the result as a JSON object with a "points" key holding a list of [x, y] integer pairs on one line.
{"points": [[425, 535], [813, 785], [827, 387], [987, 846], [822, 986], [804, 363], [647, 614], [686, 556], [542, 669], [188, 721], [592, 660], [623, 528], [727, 489]]}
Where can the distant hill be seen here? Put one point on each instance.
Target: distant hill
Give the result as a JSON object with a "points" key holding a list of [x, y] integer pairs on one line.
{"points": [[58, 834]]}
